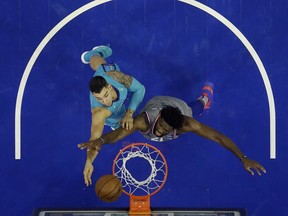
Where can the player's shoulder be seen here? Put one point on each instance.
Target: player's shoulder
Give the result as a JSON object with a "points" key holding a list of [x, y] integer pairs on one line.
{"points": [[189, 124], [114, 72], [122, 78], [140, 122], [116, 75]]}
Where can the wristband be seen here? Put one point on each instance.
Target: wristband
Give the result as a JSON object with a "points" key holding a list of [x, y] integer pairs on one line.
{"points": [[243, 158], [102, 140]]}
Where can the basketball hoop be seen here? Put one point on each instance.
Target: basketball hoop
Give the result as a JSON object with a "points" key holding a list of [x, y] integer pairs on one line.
{"points": [[140, 191]]}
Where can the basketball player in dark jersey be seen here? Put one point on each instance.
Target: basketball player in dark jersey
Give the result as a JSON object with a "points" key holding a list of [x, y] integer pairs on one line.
{"points": [[165, 118]]}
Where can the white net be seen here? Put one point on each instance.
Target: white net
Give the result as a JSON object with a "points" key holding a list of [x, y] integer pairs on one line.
{"points": [[153, 182]]}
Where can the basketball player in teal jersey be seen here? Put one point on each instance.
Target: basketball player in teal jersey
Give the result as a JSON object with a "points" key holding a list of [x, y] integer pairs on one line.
{"points": [[108, 91], [165, 118]]}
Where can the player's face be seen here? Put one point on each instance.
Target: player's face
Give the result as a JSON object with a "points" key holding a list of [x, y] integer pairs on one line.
{"points": [[162, 128], [105, 96]]}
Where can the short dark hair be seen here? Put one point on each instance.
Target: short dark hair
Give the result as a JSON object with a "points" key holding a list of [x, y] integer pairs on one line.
{"points": [[172, 116], [97, 83]]}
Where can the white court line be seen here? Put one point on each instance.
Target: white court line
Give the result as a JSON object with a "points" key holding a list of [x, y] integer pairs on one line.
{"points": [[31, 62], [88, 6], [258, 62]]}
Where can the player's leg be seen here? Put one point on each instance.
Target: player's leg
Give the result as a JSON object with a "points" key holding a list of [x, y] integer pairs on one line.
{"points": [[96, 56], [96, 61], [204, 101]]}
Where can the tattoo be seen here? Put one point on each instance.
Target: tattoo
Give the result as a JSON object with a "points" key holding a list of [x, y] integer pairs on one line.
{"points": [[120, 77]]}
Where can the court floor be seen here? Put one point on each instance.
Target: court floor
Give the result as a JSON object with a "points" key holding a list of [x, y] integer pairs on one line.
{"points": [[172, 47]]}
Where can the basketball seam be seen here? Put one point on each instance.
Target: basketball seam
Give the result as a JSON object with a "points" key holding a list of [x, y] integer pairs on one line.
{"points": [[116, 190], [105, 184], [114, 195]]}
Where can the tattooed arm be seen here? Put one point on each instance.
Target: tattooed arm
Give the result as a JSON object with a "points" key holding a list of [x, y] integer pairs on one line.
{"points": [[138, 91]]}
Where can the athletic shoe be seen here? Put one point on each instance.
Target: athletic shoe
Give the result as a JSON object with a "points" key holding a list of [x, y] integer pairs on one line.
{"points": [[103, 51], [208, 91]]}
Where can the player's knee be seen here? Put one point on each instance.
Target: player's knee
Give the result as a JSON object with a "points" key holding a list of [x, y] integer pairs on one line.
{"points": [[96, 61]]}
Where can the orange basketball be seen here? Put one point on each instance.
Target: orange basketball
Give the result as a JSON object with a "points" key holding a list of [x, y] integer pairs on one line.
{"points": [[108, 188]]}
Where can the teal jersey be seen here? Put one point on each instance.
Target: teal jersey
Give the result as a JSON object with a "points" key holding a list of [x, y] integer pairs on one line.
{"points": [[118, 107]]}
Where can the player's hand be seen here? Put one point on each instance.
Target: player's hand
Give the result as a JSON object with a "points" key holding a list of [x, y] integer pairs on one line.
{"points": [[91, 145], [127, 120], [87, 173], [251, 165]]}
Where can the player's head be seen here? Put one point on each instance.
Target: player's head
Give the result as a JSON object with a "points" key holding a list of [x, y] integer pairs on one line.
{"points": [[101, 90], [170, 118]]}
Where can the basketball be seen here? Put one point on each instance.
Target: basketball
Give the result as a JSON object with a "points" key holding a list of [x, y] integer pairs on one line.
{"points": [[108, 188]]}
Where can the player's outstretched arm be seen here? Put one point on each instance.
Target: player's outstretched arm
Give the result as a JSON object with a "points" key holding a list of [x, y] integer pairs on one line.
{"points": [[191, 125], [88, 168], [98, 118], [116, 135]]}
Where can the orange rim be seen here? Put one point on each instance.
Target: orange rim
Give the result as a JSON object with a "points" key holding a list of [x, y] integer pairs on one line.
{"points": [[152, 147]]}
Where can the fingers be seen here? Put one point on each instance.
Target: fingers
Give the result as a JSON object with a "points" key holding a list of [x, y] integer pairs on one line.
{"points": [[90, 145], [86, 181], [87, 177], [253, 165], [262, 168], [250, 171], [128, 125], [89, 180], [258, 169], [82, 146]]}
